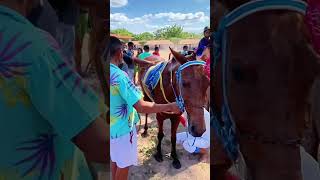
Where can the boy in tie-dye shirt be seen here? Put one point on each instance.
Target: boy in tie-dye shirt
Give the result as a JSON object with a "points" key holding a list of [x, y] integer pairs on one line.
{"points": [[125, 101]]}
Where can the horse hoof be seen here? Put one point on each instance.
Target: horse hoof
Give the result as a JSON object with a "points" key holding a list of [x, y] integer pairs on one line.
{"points": [[176, 164], [158, 157]]}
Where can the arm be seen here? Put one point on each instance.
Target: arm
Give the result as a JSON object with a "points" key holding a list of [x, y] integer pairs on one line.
{"points": [[74, 115], [150, 107], [93, 141], [143, 62]]}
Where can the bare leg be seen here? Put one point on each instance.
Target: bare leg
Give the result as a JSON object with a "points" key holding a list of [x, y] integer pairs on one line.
{"points": [[174, 126]]}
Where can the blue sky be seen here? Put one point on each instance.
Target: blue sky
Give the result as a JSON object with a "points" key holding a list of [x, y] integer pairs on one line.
{"points": [[148, 15]]}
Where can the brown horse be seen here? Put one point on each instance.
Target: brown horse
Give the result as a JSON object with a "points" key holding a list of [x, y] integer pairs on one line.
{"points": [[194, 86], [272, 67]]}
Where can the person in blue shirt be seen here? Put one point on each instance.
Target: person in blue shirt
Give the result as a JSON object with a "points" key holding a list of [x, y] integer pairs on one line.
{"points": [[126, 100], [204, 41], [129, 55]]}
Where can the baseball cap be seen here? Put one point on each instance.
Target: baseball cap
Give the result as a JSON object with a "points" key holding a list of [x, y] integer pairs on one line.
{"points": [[206, 29]]}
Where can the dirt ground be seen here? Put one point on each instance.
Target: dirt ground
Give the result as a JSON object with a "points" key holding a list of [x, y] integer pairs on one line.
{"points": [[149, 168]]}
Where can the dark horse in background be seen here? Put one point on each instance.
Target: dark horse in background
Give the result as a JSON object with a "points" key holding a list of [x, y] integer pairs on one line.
{"points": [[271, 69], [194, 86]]}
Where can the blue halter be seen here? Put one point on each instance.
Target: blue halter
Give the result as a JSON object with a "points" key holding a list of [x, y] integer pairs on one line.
{"points": [[227, 132], [179, 98]]}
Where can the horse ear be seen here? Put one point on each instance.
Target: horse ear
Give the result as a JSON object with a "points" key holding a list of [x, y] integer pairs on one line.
{"points": [[179, 57]]}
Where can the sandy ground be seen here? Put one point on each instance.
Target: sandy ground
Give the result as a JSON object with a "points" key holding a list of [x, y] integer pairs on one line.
{"points": [[149, 168]]}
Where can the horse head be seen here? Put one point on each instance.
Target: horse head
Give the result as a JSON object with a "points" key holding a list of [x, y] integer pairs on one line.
{"points": [[268, 81], [193, 88]]}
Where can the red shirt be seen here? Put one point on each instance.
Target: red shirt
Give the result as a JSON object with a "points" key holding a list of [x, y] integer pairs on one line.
{"points": [[156, 53]]}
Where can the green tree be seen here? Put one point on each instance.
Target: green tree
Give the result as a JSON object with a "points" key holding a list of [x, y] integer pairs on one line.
{"points": [[144, 36], [188, 35], [122, 31], [173, 31]]}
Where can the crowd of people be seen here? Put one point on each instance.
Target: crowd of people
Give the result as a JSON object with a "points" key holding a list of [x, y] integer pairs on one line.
{"points": [[202, 52]]}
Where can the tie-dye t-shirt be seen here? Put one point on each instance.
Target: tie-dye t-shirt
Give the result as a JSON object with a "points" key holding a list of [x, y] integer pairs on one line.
{"points": [[43, 105], [123, 95]]}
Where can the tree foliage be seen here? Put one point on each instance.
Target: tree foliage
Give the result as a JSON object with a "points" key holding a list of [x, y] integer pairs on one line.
{"points": [[173, 33], [144, 36], [122, 32], [169, 32]]}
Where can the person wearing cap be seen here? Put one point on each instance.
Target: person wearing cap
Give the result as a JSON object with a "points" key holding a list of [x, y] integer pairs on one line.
{"points": [[204, 41]]}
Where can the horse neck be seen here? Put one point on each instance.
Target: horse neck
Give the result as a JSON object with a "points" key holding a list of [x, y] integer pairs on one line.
{"points": [[169, 71]]}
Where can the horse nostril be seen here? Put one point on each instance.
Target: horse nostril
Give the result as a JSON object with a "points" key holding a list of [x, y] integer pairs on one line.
{"points": [[193, 129]]}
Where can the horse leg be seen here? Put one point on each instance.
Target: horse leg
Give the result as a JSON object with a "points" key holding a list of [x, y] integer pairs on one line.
{"points": [[158, 155], [174, 126], [145, 133]]}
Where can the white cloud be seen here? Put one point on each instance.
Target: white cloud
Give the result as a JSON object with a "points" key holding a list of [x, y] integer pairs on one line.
{"points": [[182, 16], [122, 18], [118, 3], [192, 22], [172, 17]]}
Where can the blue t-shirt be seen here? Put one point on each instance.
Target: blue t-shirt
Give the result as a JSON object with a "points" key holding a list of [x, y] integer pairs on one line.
{"points": [[202, 45], [43, 105], [123, 95]]}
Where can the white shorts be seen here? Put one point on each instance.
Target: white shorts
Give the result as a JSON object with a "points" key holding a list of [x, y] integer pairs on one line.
{"points": [[123, 152]]}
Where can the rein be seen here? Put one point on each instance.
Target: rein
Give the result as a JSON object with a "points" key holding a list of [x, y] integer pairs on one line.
{"points": [[223, 122]]}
